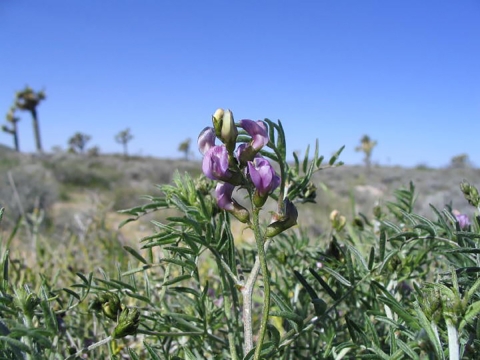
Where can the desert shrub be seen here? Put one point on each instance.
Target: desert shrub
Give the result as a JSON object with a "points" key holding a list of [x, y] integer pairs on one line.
{"points": [[34, 188], [79, 171]]}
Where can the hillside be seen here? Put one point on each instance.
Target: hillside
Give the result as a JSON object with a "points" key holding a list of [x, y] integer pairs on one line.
{"points": [[73, 189]]}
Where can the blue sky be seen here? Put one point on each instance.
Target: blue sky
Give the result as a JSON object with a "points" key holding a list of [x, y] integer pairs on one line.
{"points": [[404, 72]]}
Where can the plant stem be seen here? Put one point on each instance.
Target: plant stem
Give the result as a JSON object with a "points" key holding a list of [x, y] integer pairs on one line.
{"points": [[247, 293], [453, 347], [28, 321], [259, 239], [91, 347]]}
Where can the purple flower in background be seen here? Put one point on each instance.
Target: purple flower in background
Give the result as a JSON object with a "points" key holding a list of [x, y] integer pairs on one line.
{"points": [[258, 131], [463, 221], [215, 164], [223, 193], [206, 140], [263, 176]]}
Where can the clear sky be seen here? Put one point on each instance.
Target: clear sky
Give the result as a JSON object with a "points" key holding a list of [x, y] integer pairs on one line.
{"points": [[406, 72]]}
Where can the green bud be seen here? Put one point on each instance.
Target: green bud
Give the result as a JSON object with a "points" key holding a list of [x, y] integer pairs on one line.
{"points": [[240, 212], [108, 303], [26, 301], [284, 221], [31, 302], [225, 128], [471, 193], [309, 193], [127, 323], [338, 221]]}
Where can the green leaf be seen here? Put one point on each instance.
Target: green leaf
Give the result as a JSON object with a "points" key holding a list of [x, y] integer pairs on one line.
{"points": [[16, 343], [133, 252], [288, 315], [432, 333], [337, 276], [176, 280], [306, 285], [470, 314], [151, 352], [371, 258], [305, 159], [133, 354], [267, 348], [324, 284]]}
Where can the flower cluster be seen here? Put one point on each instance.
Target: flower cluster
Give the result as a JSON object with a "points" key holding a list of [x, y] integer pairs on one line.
{"points": [[237, 166]]}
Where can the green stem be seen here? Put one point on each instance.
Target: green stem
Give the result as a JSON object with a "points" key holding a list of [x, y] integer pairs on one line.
{"points": [[28, 321], [259, 239]]}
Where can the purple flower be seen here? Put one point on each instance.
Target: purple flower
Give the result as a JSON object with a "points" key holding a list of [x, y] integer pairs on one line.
{"points": [[223, 193], [206, 140], [463, 221], [215, 163], [263, 176], [258, 131]]}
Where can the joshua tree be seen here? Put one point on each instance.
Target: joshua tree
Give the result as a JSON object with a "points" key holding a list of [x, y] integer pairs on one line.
{"points": [[460, 161], [185, 148], [123, 137], [78, 142], [366, 146], [13, 130], [28, 100]]}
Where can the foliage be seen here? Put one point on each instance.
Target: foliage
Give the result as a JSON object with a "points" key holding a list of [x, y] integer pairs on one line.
{"points": [[12, 129], [123, 138], [24, 189], [184, 148], [366, 146], [78, 142], [28, 100], [460, 161]]}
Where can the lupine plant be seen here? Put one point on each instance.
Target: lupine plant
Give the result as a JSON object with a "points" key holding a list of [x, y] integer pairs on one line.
{"points": [[389, 284]]}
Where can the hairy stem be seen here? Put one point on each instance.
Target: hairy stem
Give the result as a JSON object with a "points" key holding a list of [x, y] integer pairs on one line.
{"points": [[91, 347], [247, 293]]}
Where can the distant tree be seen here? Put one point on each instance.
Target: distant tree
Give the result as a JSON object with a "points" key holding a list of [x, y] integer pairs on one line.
{"points": [[460, 161], [13, 129], [366, 146], [185, 148], [78, 142], [94, 151], [123, 137], [28, 100]]}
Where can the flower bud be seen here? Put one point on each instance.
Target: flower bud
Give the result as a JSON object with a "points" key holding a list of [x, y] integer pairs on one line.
{"points": [[471, 193], [225, 128], [338, 221], [108, 303], [127, 323], [463, 220], [284, 221]]}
